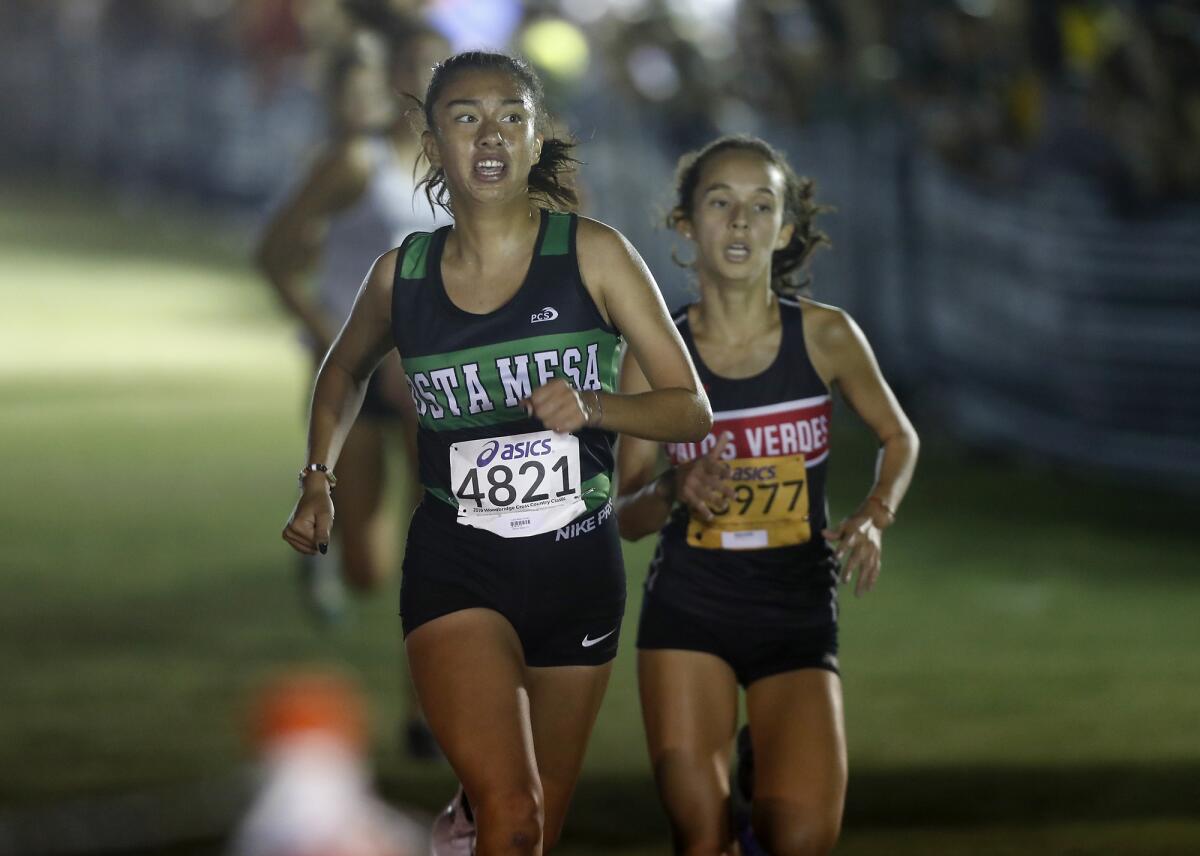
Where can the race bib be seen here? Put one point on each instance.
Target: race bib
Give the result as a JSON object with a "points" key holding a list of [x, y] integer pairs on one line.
{"points": [[517, 486], [769, 508]]}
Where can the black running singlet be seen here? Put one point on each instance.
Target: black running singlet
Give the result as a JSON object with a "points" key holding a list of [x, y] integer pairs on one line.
{"points": [[467, 373], [763, 557]]}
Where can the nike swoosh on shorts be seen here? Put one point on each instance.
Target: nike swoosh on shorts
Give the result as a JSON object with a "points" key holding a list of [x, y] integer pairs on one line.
{"points": [[588, 643]]}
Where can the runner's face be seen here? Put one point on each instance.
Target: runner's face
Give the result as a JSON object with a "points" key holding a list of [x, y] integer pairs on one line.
{"points": [[485, 136], [737, 216]]}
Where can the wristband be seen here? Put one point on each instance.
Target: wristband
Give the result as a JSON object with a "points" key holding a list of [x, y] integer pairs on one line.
{"points": [[309, 469], [888, 510], [597, 410]]}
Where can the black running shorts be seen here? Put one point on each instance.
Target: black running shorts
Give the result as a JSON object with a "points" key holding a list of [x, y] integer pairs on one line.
{"points": [[751, 649], [563, 592]]}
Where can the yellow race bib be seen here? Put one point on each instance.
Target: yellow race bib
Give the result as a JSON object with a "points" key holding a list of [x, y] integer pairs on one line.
{"points": [[769, 508]]}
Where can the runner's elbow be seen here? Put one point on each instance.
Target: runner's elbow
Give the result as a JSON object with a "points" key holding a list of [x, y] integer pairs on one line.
{"points": [[701, 421]]}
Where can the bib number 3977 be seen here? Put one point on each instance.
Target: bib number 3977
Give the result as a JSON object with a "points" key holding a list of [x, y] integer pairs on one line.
{"points": [[517, 486]]}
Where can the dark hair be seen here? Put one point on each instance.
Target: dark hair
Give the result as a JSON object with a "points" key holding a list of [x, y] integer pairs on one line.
{"points": [[386, 20], [398, 29], [551, 181], [799, 207], [345, 59]]}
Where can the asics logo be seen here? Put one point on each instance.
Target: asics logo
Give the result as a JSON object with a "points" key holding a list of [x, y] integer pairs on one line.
{"points": [[547, 314], [588, 643], [489, 452], [513, 451]]}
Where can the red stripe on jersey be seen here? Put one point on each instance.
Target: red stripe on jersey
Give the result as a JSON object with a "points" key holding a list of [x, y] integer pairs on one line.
{"points": [[787, 428]]}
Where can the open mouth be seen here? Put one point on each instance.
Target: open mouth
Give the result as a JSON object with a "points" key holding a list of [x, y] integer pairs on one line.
{"points": [[489, 169], [737, 252]]}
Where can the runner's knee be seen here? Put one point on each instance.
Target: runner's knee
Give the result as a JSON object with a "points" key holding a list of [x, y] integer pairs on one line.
{"points": [[511, 819], [795, 832]]}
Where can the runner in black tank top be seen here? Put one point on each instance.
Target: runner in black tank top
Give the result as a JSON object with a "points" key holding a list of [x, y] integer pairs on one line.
{"points": [[470, 372], [507, 326], [742, 588], [766, 561]]}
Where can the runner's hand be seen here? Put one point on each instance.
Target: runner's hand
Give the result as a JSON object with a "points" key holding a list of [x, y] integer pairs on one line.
{"points": [[700, 484], [860, 545], [307, 530], [558, 405]]}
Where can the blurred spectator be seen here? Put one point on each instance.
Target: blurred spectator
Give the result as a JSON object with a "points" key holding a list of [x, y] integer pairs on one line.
{"points": [[1038, 130], [355, 202], [995, 87]]}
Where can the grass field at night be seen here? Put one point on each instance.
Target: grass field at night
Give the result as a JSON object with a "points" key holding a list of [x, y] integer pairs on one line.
{"points": [[1024, 679]]}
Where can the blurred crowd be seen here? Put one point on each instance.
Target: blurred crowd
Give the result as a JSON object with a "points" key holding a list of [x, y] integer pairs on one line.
{"points": [[1000, 165], [999, 89]]}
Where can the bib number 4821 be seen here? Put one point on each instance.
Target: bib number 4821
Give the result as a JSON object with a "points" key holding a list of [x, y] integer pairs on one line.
{"points": [[520, 485], [501, 492]]}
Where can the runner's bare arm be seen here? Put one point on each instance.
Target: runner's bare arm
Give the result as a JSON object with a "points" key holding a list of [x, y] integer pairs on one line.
{"points": [[362, 344], [843, 357], [843, 352], [291, 242], [643, 501], [341, 383], [674, 407]]}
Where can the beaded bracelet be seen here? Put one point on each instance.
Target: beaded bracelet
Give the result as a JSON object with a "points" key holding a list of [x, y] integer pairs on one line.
{"points": [[309, 469]]}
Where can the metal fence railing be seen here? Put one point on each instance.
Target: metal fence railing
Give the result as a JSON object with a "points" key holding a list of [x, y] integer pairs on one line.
{"points": [[1048, 324]]}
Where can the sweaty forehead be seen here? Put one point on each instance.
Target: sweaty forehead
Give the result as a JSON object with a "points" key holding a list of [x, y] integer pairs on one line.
{"points": [[485, 86], [741, 169]]}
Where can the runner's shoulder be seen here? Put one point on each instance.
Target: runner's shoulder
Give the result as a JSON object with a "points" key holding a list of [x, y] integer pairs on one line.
{"points": [[826, 327], [408, 259], [383, 273], [599, 245]]}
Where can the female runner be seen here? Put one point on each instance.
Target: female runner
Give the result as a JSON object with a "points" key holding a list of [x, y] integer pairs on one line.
{"points": [[355, 202], [507, 324], [743, 586]]}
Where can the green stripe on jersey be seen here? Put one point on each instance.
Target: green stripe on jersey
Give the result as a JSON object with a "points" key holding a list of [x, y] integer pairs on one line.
{"points": [[557, 240], [482, 386], [596, 492], [412, 266]]}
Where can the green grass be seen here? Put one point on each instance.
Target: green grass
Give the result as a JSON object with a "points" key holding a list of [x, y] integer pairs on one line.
{"points": [[1023, 680]]}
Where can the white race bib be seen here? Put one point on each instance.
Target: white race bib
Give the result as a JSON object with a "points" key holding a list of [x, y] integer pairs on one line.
{"points": [[526, 484]]}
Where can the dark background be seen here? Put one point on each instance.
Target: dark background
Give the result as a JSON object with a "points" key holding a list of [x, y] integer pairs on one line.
{"points": [[1017, 195]]}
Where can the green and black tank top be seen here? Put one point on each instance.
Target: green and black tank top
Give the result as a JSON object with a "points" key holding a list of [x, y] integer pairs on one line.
{"points": [[468, 372]]}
